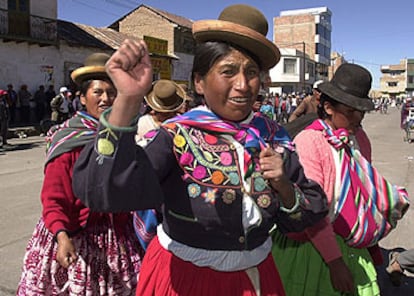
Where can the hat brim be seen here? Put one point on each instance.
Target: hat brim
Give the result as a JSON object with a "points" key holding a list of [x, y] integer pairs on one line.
{"points": [[244, 37], [358, 103], [88, 72]]}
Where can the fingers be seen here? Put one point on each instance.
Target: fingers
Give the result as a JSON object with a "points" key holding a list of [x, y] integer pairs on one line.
{"points": [[129, 54]]}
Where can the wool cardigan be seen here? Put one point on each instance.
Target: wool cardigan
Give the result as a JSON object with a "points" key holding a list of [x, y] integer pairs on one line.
{"points": [[319, 165]]}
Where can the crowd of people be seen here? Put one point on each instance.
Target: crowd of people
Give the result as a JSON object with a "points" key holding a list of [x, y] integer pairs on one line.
{"points": [[151, 189]]}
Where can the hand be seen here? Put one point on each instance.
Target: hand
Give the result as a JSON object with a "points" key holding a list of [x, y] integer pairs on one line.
{"points": [[130, 69], [66, 252], [271, 164], [341, 276]]}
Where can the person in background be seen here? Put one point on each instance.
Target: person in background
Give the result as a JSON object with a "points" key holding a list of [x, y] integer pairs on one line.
{"points": [[284, 108], [398, 263], [223, 174], [50, 94], [267, 108], [40, 103], [188, 99], [343, 248], [12, 102], [76, 102], [163, 102], [60, 106], [74, 251], [24, 97], [309, 104], [258, 103], [4, 119]]}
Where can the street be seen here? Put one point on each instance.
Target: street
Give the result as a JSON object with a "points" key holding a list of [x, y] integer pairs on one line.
{"points": [[21, 173]]}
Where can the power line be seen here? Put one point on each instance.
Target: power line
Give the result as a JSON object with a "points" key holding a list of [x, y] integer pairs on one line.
{"points": [[95, 8]]}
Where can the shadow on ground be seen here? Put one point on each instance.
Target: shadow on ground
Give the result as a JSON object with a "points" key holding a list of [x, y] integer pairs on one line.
{"points": [[387, 289], [16, 147]]}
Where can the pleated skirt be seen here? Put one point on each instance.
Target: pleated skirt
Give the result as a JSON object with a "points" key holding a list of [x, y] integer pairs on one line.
{"points": [[109, 260], [304, 272], [162, 273]]}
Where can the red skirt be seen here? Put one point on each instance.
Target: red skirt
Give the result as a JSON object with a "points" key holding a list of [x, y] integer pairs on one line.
{"points": [[163, 273]]}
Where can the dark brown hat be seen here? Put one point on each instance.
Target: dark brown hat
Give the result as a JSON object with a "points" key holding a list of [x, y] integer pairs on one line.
{"points": [[350, 85], [94, 68], [165, 96], [241, 25]]}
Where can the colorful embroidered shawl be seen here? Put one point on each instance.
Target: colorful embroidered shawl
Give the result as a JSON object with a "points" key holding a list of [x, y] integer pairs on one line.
{"points": [[369, 206], [254, 135], [74, 132]]}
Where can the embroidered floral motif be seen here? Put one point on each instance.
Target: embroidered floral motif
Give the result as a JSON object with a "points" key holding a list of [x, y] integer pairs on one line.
{"points": [[179, 141], [259, 184], [199, 172], [234, 178], [210, 139], [186, 158], [193, 190], [225, 158], [208, 156], [264, 201], [229, 195], [210, 195], [217, 177]]}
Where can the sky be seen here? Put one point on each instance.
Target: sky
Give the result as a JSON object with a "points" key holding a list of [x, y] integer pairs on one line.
{"points": [[370, 33]]}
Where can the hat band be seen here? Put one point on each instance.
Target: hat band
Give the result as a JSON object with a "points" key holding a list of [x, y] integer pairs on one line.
{"points": [[349, 90]]}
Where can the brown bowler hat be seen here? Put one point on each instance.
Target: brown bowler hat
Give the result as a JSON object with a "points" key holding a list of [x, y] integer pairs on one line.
{"points": [[241, 25], [165, 96], [350, 85], [94, 68]]}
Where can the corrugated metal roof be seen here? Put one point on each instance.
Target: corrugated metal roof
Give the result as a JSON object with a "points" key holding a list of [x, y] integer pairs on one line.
{"points": [[76, 36], [108, 36]]}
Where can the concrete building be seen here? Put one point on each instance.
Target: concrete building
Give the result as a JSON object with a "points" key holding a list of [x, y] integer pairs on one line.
{"points": [[308, 32], [398, 80], [168, 36]]}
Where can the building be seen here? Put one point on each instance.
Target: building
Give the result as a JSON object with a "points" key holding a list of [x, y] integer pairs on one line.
{"points": [[308, 31], [398, 80], [168, 35], [38, 49]]}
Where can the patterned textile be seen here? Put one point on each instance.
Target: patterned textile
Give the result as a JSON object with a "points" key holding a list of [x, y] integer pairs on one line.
{"points": [[108, 261], [145, 226], [369, 206], [253, 135], [74, 132]]}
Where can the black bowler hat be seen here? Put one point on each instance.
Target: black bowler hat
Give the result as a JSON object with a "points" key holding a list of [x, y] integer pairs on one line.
{"points": [[350, 86]]}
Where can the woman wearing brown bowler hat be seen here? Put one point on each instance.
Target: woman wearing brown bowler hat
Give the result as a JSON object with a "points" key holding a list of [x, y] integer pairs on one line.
{"points": [[335, 152], [74, 251], [224, 175]]}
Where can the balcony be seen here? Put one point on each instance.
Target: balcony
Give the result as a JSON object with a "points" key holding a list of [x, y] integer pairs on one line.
{"points": [[22, 27]]}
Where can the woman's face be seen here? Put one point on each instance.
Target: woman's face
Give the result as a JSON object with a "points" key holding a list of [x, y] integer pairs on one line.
{"points": [[343, 116], [231, 86], [99, 97]]}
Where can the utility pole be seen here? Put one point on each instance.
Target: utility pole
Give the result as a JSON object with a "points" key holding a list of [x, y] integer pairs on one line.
{"points": [[303, 66]]}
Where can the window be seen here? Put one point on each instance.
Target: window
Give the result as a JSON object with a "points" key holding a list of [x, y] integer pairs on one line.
{"points": [[289, 66], [19, 5], [310, 69], [19, 17], [410, 79], [392, 84]]}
